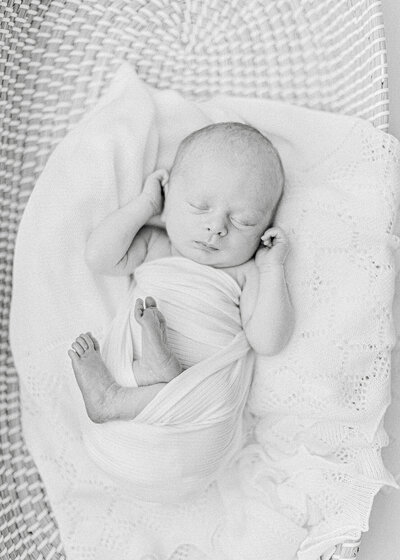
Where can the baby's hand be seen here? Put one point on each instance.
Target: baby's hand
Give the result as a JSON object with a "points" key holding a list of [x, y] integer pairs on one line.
{"points": [[153, 189], [275, 247]]}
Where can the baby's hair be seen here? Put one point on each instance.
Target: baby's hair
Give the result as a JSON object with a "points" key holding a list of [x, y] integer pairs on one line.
{"points": [[244, 142]]}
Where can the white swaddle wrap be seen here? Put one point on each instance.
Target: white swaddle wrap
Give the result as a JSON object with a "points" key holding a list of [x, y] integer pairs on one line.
{"points": [[191, 429]]}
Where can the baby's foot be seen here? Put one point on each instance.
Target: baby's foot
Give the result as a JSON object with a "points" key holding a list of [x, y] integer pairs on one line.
{"points": [[94, 380], [157, 358]]}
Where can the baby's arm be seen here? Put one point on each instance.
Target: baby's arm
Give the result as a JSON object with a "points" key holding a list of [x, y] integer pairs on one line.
{"points": [[270, 325], [114, 246]]}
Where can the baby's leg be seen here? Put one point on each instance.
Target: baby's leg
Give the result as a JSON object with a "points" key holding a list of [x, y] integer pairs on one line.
{"points": [[158, 364], [104, 398]]}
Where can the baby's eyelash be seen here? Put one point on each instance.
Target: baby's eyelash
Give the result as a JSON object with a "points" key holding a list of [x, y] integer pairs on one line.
{"points": [[197, 207], [243, 224]]}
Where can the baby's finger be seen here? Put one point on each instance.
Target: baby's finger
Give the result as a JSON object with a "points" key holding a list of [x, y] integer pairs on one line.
{"points": [[277, 235], [161, 175], [164, 177], [273, 231], [266, 240], [266, 237], [281, 234], [268, 234]]}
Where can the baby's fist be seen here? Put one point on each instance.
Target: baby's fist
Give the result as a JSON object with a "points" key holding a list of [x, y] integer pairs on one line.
{"points": [[274, 247], [153, 189]]}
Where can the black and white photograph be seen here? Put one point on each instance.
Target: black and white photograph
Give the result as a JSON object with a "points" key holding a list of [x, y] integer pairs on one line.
{"points": [[199, 279]]}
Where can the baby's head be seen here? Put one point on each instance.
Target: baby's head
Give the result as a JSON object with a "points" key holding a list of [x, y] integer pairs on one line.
{"points": [[224, 187]]}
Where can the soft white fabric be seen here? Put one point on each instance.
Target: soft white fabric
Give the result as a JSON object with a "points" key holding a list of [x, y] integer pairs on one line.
{"points": [[383, 537], [193, 428], [313, 463]]}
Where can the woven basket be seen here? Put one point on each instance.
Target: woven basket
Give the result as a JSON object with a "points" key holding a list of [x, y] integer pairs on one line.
{"points": [[57, 57]]}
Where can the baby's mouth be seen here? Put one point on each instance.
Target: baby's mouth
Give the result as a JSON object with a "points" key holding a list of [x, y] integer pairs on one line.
{"points": [[206, 246]]}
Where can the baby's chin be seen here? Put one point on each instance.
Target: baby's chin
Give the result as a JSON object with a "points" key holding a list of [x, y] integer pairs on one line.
{"points": [[217, 258]]}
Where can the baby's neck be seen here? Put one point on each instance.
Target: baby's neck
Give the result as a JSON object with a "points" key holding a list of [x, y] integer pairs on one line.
{"points": [[175, 252]]}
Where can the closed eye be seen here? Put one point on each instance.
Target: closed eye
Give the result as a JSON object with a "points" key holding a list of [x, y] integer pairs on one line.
{"points": [[200, 207], [239, 223]]}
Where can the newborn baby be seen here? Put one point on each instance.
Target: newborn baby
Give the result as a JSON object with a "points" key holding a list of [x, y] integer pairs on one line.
{"points": [[217, 205]]}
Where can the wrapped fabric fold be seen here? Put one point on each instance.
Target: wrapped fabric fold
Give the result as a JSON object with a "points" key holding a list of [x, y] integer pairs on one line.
{"points": [[177, 445]]}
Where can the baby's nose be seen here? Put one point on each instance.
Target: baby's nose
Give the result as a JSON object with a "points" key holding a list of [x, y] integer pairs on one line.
{"points": [[217, 229]]}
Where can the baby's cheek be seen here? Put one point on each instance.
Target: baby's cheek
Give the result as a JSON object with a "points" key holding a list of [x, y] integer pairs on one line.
{"points": [[248, 243], [253, 238]]}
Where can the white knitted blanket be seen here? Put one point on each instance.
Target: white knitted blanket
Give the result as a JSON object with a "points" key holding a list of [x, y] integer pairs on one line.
{"points": [[307, 478]]}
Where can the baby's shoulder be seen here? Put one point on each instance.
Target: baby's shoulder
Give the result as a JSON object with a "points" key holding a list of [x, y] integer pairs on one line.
{"points": [[158, 243], [242, 273]]}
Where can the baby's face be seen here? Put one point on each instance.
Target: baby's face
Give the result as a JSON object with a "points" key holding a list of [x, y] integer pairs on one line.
{"points": [[215, 214]]}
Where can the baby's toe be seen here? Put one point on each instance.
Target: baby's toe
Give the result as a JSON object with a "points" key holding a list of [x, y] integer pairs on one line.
{"points": [[88, 340], [150, 302], [93, 341], [78, 348], [82, 341], [160, 317], [138, 311], [73, 355]]}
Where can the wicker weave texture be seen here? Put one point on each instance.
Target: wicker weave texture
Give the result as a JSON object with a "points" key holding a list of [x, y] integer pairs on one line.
{"points": [[57, 57]]}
